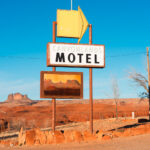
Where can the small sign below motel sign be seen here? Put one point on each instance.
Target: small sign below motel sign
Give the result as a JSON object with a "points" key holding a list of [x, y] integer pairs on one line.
{"points": [[75, 55]]}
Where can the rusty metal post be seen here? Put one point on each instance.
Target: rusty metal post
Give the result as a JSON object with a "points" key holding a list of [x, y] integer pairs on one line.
{"points": [[90, 85], [54, 31], [53, 111], [54, 100], [148, 79]]}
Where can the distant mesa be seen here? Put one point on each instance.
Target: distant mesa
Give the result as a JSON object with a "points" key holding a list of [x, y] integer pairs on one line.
{"points": [[17, 97]]}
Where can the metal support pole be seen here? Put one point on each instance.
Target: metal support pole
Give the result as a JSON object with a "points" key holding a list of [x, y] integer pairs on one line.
{"points": [[54, 31], [71, 4], [148, 79], [54, 100], [90, 85], [53, 111]]}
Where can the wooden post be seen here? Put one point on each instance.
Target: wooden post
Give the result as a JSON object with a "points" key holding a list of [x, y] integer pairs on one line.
{"points": [[148, 79], [54, 100], [90, 85]]}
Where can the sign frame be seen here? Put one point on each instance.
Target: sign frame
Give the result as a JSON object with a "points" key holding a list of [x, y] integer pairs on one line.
{"points": [[42, 95], [74, 66]]}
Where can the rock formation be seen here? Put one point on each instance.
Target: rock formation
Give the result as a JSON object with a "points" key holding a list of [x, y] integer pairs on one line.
{"points": [[18, 98]]}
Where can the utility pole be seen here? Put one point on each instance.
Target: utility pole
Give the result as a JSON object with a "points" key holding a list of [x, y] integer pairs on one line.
{"points": [[148, 79]]}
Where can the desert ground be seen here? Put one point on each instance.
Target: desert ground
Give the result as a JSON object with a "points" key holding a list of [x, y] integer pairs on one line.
{"points": [[19, 111]]}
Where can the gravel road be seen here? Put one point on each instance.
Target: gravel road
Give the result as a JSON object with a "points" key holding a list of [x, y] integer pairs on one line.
{"points": [[141, 142]]}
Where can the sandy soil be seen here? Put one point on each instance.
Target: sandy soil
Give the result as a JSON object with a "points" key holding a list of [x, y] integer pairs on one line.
{"points": [[140, 142], [105, 124]]}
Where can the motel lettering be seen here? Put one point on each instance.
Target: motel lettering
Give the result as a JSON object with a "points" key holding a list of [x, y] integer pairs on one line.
{"points": [[72, 58]]}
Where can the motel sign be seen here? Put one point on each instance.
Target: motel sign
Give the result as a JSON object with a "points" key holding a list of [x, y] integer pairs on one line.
{"points": [[75, 55]]}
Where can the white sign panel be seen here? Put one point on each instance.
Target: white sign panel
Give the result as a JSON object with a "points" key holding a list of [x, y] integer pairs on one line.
{"points": [[75, 55]]}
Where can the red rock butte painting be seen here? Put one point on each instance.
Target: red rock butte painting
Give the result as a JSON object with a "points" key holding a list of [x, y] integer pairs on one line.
{"points": [[61, 84]]}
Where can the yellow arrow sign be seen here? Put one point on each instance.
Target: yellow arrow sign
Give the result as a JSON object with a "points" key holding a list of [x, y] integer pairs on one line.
{"points": [[71, 23]]}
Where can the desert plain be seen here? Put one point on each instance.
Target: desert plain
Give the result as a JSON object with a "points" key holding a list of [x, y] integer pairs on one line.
{"points": [[24, 122]]}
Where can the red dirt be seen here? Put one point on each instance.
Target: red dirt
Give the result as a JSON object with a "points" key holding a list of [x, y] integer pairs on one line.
{"points": [[40, 116], [39, 113]]}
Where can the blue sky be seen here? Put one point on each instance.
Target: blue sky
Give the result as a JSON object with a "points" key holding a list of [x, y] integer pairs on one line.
{"points": [[26, 28]]}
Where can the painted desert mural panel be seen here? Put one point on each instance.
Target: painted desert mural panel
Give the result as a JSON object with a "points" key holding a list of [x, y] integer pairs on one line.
{"points": [[62, 85]]}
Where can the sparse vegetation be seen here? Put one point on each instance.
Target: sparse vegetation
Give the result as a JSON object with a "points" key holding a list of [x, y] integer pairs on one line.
{"points": [[142, 81], [139, 80], [116, 94]]}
